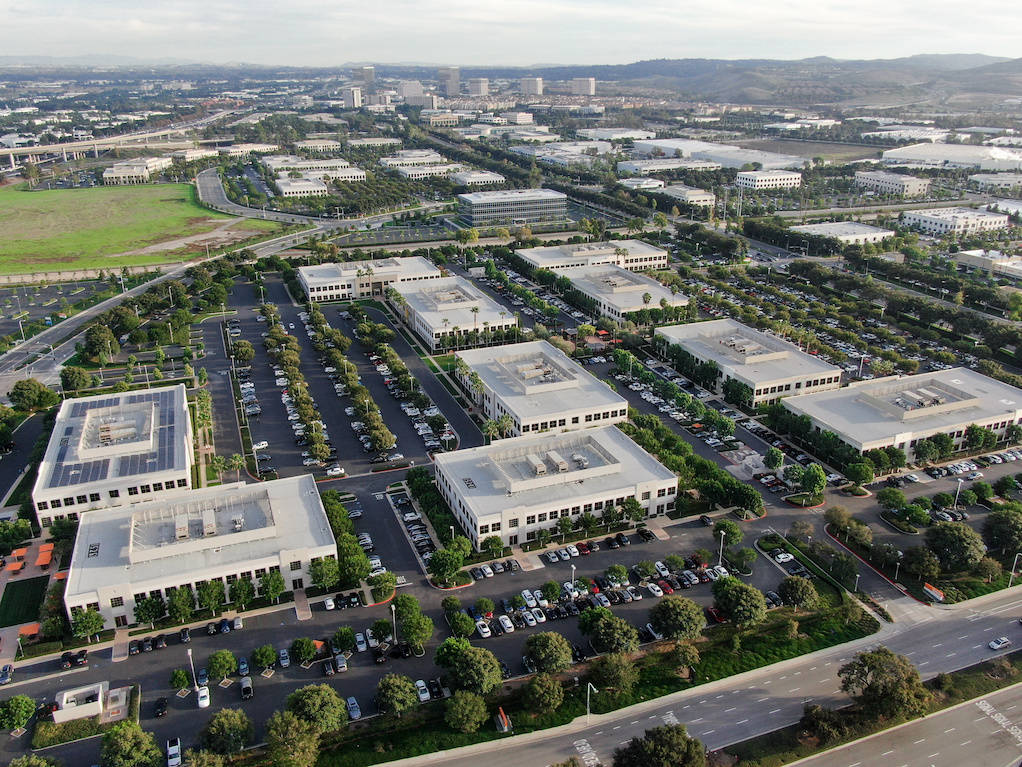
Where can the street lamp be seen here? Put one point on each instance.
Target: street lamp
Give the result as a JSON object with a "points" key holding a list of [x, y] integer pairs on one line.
{"points": [[857, 576], [1012, 576], [573, 576], [452, 532], [393, 617], [195, 685], [960, 480], [589, 687], [720, 555]]}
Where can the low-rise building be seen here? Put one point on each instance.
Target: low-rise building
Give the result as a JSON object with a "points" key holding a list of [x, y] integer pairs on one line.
{"points": [[240, 150], [992, 262], [539, 388], [349, 280], [428, 171], [318, 145], [302, 187], [938, 155], [408, 158], [514, 488], [450, 313], [374, 142], [662, 164], [635, 255], [477, 178], [727, 155], [191, 155], [140, 171], [115, 449], [226, 533], [517, 118], [956, 221], [618, 292], [884, 182], [641, 182], [768, 179], [770, 367], [690, 195], [285, 163], [614, 134], [441, 120], [999, 182], [848, 232], [512, 207], [901, 411]]}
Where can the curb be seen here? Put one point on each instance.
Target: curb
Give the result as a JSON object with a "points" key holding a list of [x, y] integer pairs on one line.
{"points": [[870, 566]]}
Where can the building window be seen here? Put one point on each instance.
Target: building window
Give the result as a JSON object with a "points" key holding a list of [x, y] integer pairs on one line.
{"points": [[115, 494], [661, 492], [117, 602], [484, 529], [69, 501], [512, 522], [42, 505], [132, 491], [140, 597], [260, 572], [182, 483], [542, 517], [157, 487], [645, 496], [93, 497], [145, 488], [531, 519], [495, 527], [296, 566], [55, 503]]}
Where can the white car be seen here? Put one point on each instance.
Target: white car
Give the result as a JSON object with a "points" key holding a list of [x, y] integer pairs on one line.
{"points": [[487, 571], [261, 445], [661, 568], [372, 640], [530, 600], [572, 551], [422, 690], [483, 629], [540, 599], [1000, 643], [174, 752], [654, 590], [539, 615], [203, 697], [722, 571], [506, 624], [329, 604], [552, 557], [334, 471], [360, 643], [570, 589], [783, 557], [529, 618]]}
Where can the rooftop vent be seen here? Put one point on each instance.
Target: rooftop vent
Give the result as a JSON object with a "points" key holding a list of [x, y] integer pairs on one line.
{"points": [[181, 527], [238, 522], [208, 522], [555, 458], [538, 467]]}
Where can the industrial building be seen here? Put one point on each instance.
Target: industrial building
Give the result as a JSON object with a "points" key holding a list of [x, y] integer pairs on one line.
{"points": [[237, 531], [115, 449], [726, 155], [768, 179], [993, 158], [772, 368], [619, 292], [954, 221], [634, 255], [614, 134], [513, 206], [999, 182], [900, 411], [407, 158], [348, 280], [513, 488], [883, 182], [848, 232], [540, 388], [641, 182]]}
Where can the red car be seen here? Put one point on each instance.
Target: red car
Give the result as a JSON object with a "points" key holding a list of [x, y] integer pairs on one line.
{"points": [[583, 549], [715, 615], [665, 586]]}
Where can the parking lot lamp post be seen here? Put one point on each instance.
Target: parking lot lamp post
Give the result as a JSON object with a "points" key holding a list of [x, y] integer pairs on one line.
{"points": [[393, 619], [857, 576], [897, 566], [452, 532], [22, 329], [720, 555], [573, 576], [960, 480], [1013, 564], [191, 663], [589, 688]]}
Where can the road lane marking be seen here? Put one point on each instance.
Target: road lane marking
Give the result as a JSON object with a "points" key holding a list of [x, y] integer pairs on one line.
{"points": [[794, 689], [709, 732], [762, 699], [918, 741], [1003, 722], [887, 752], [696, 720], [729, 710], [924, 663], [774, 711], [949, 729], [965, 743], [933, 755]]}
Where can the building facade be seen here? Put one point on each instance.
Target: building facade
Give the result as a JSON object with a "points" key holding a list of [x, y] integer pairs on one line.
{"points": [[618, 292], [848, 232], [513, 207], [690, 195], [350, 280], [634, 255], [141, 171], [531, 86], [478, 86], [954, 221], [883, 182], [583, 86], [768, 179], [450, 312]]}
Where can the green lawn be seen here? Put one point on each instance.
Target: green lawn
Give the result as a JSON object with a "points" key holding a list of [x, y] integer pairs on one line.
{"points": [[21, 600], [80, 228]]}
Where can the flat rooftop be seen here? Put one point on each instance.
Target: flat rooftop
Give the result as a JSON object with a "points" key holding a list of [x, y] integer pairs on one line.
{"points": [[523, 472], [452, 299], [621, 289], [510, 195], [558, 255], [842, 229], [206, 529], [116, 436], [745, 352], [535, 379], [409, 266], [943, 400], [950, 214]]}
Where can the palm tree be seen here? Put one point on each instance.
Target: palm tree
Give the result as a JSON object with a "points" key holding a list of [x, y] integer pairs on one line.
{"points": [[235, 463], [506, 424], [476, 382], [475, 317], [646, 298], [491, 430], [218, 464]]}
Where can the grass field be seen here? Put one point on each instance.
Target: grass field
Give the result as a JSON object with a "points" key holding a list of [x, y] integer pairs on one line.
{"points": [[22, 600], [64, 229], [831, 152]]}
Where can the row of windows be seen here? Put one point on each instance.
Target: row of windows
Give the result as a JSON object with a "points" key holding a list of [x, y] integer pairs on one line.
{"points": [[155, 487], [169, 590], [798, 385]]}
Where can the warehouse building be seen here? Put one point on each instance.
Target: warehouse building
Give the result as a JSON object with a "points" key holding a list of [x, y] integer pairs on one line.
{"points": [[618, 292], [998, 182], [848, 232], [450, 312], [540, 388], [771, 367], [900, 411], [513, 488], [883, 182], [348, 280], [513, 206], [238, 531], [993, 158], [634, 255], [662, 164], [955, 221], [115, 449], [641, 182]]}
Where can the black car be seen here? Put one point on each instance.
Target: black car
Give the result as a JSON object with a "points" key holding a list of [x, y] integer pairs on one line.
{"points": [[67, 660], [185, 636], [160, 709], [512, 565], [147, 644], [706, 520], [646, 534], [611, 543], [773, 599], [404, 650], [160, 642], [613, 596], [528, 665], [645, 635], [82, 658], [134, 647], [476, 574], [212, 629], [505, 670], [379, 656], [578, 654], [571, 608], [354, 601], [623, 539], [435, 690], [225, 626]]}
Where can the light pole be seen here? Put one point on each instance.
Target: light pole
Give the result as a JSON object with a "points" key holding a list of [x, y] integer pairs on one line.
{"points": [[589, 688], [720, 555], [452, 532], [897, 566], [960, 480], [1015, 562], [191, 663], [393, 617], [857, 576], [573, 576]]}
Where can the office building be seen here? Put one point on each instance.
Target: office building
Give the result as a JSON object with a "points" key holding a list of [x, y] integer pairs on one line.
{"points": [[954, 221], [991, 262], [768, 179], [513, 488], [517, 118], [407, 158], [634, 255], [428, 171], [285, 163], [352, 97], [302, 187], [191, 155], [998, 182], [441, 120], [660, 165], [426, 101], [141, 171], [618, 292], [771, 367], [540, 388], [366, 74], [477, 178], [614, 134], [349, 280], [450, 81], [513, 206], [992, 158], [884, 182], [408, 88], [115, 449], [301, 101], [901, 411], [848, 232], [726, 155], [374, 142], [478, 86], [318, 145], [237, 531], [583, 86], [531, 86], [690, 195], [641, 182], [450, 312], [240, 150]]}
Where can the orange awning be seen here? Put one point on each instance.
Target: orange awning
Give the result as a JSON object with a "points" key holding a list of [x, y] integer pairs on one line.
{"points": [[19, 553], [46, 547], [29, 630], [13, 567], [44, 558], [60, 576]]}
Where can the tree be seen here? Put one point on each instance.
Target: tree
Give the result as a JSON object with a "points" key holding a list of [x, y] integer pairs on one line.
{"points": [[774, 459], [493, 546], [34, 760], [614, 671], [150, 610], [666, 746], [814, 480], [590, 617], [614, 635], [324, 573], [396, 694], [1002, 528], [543, 693], [303, 649], [742, 559], [550, 651], [86, 623], [180, 679], [731, 531], [922, 563], [943, 500], [264, 656], [16, 711], [485, 606], [352, 561], [884, 683], [462, 625], [860, 473], [243, 352], [195, 758], [618, 573], [242, 592], [318, 705], [211, 595], [222, 664], [551, 591], [344, 638], [741, 603], [798, 592], [29, 394], [444, 564], [957, 546], [181, 604], [74, 378], [469, 668], [465, 711], [677, 618], [271, 585], [291, 741], [989, 569], [891, 498], [416, 629], [227, 732], [126, 744]]}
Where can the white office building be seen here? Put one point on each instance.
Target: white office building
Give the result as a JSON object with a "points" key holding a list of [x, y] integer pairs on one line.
{"points": [[450, 312], [318, 145], [641, 182], [900, 411], [302, 187], [352, 98], [614, 134], [141, 171], [619, 292], [531, 86], [115, 449], [477, 178], [690, 195], [634, 255], [513, 207], [998, 182], [663, 164], [191, 155], [991, 262], [407, 158], [287, 163], [517, 118], [428, 171], [374, 142], [771, 367], [848, 232], [238, 531], [583, 86], [727, 155], [768, 179], [513, 488], [540, 388], [240, 150], [478, 86], [884, 182], [348, 280], [955, 221]]}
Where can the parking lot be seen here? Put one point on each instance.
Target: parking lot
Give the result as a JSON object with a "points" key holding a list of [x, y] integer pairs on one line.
{"points": [[31, 303]]}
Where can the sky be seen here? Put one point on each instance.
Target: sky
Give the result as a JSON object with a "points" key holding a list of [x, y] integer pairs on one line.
{"points": [[505, 32]]}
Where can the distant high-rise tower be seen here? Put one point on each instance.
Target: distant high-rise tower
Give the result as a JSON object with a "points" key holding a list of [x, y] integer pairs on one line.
{"points": [[352, 98], [479, 86], [583, 86], [450, 80], [408, 88], [531, 86], [366, 74]]}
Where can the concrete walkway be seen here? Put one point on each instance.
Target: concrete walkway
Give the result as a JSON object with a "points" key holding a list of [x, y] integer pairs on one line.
{"points": [[303, 610]]}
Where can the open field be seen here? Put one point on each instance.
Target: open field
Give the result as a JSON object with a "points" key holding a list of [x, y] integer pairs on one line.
{"points": [[22, 600], [110, 227], [831, 152]]}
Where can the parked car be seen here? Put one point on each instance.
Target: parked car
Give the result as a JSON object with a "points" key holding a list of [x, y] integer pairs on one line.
{"points": [[354, 712], [246, 687], [203, 697], [284, 658], [161, 707]]}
